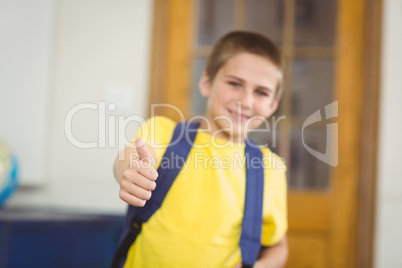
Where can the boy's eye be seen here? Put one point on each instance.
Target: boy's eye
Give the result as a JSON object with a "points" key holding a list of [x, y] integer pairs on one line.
{"points": [[261, 92], [235, 84]]}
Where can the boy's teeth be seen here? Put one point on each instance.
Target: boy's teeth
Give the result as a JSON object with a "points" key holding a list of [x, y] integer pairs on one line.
{"points": [[238, 116]]}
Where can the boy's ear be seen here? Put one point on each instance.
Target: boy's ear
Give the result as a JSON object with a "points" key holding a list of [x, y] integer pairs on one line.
{"points": [[204, 85], [274, 106]]}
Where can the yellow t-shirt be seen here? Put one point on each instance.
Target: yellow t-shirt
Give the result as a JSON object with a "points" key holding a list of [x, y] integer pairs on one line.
{"points": [[199, 222]]}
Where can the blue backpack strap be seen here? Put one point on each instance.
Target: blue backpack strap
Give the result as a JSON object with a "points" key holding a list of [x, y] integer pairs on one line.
{"points": [[250, 239], [172, 162]]}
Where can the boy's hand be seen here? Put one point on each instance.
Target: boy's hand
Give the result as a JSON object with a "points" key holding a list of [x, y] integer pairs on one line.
{"points": [[138, 180]]}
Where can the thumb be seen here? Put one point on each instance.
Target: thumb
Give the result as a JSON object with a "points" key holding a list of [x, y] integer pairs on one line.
{"points": [[144, 151]]}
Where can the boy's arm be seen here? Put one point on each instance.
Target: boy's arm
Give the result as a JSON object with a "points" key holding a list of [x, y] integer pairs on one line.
{"points": [[274, 256]]}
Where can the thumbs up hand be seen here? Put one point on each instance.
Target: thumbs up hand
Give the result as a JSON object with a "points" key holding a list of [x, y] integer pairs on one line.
{"points": [[138, 180], [145, 153]]}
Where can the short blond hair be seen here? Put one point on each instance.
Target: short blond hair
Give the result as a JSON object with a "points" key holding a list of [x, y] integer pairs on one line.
{"points": [[237, 42]]}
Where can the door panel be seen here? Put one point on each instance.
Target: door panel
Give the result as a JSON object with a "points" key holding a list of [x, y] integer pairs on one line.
{"points": [[314, 252]]}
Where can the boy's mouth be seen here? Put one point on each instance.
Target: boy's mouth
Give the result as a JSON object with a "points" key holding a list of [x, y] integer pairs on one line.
{"points": [[238, 117]]}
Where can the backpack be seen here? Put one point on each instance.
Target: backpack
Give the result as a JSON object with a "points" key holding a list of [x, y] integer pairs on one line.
{"points": [[179, 148]]}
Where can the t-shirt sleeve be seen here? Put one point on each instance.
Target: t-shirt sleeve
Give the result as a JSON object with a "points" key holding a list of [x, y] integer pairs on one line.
{"points": [[275, 222], [157, 132]]}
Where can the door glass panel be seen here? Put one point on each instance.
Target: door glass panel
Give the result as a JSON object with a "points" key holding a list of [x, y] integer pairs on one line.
{"points": [[312, 85], [305, 170], [214, 19], [315, 22], [265, 17], [198, 102]]}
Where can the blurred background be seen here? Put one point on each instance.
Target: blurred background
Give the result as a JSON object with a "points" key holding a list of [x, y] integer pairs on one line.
{"points": [[107, 60]]}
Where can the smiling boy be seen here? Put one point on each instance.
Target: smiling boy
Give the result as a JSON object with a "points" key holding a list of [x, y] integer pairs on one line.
{"points": [[244, 90], [199, 222]]}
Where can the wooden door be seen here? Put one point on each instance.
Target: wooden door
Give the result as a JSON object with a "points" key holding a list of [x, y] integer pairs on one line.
{"points": [[323, 44]]}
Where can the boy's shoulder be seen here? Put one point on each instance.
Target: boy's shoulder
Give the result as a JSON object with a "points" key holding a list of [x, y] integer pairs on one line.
{"points": [[161, 122], [272, 158], [161, 119], [156, 130]]}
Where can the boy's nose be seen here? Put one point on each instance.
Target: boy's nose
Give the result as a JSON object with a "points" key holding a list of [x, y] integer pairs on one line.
{"points": [[246, 99]]}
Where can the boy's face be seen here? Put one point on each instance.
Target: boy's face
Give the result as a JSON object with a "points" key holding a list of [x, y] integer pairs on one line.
{"points": [[241, 95]]}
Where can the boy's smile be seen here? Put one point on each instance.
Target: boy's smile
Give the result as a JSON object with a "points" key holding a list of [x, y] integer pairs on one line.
{"points": [[241, 96]]}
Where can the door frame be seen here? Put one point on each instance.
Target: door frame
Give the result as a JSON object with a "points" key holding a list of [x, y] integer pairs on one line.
{"points": [[367, 193]]}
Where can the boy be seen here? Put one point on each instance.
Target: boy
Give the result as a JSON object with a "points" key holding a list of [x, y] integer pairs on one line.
{"points": [[199, 223]]}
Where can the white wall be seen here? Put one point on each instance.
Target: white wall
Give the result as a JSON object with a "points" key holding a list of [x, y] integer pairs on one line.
{"points": [[389, 206], [100, 52], [26, 29]]}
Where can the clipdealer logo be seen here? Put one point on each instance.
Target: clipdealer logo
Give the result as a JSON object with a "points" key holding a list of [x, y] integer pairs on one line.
{"points": [[330, 156]]}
